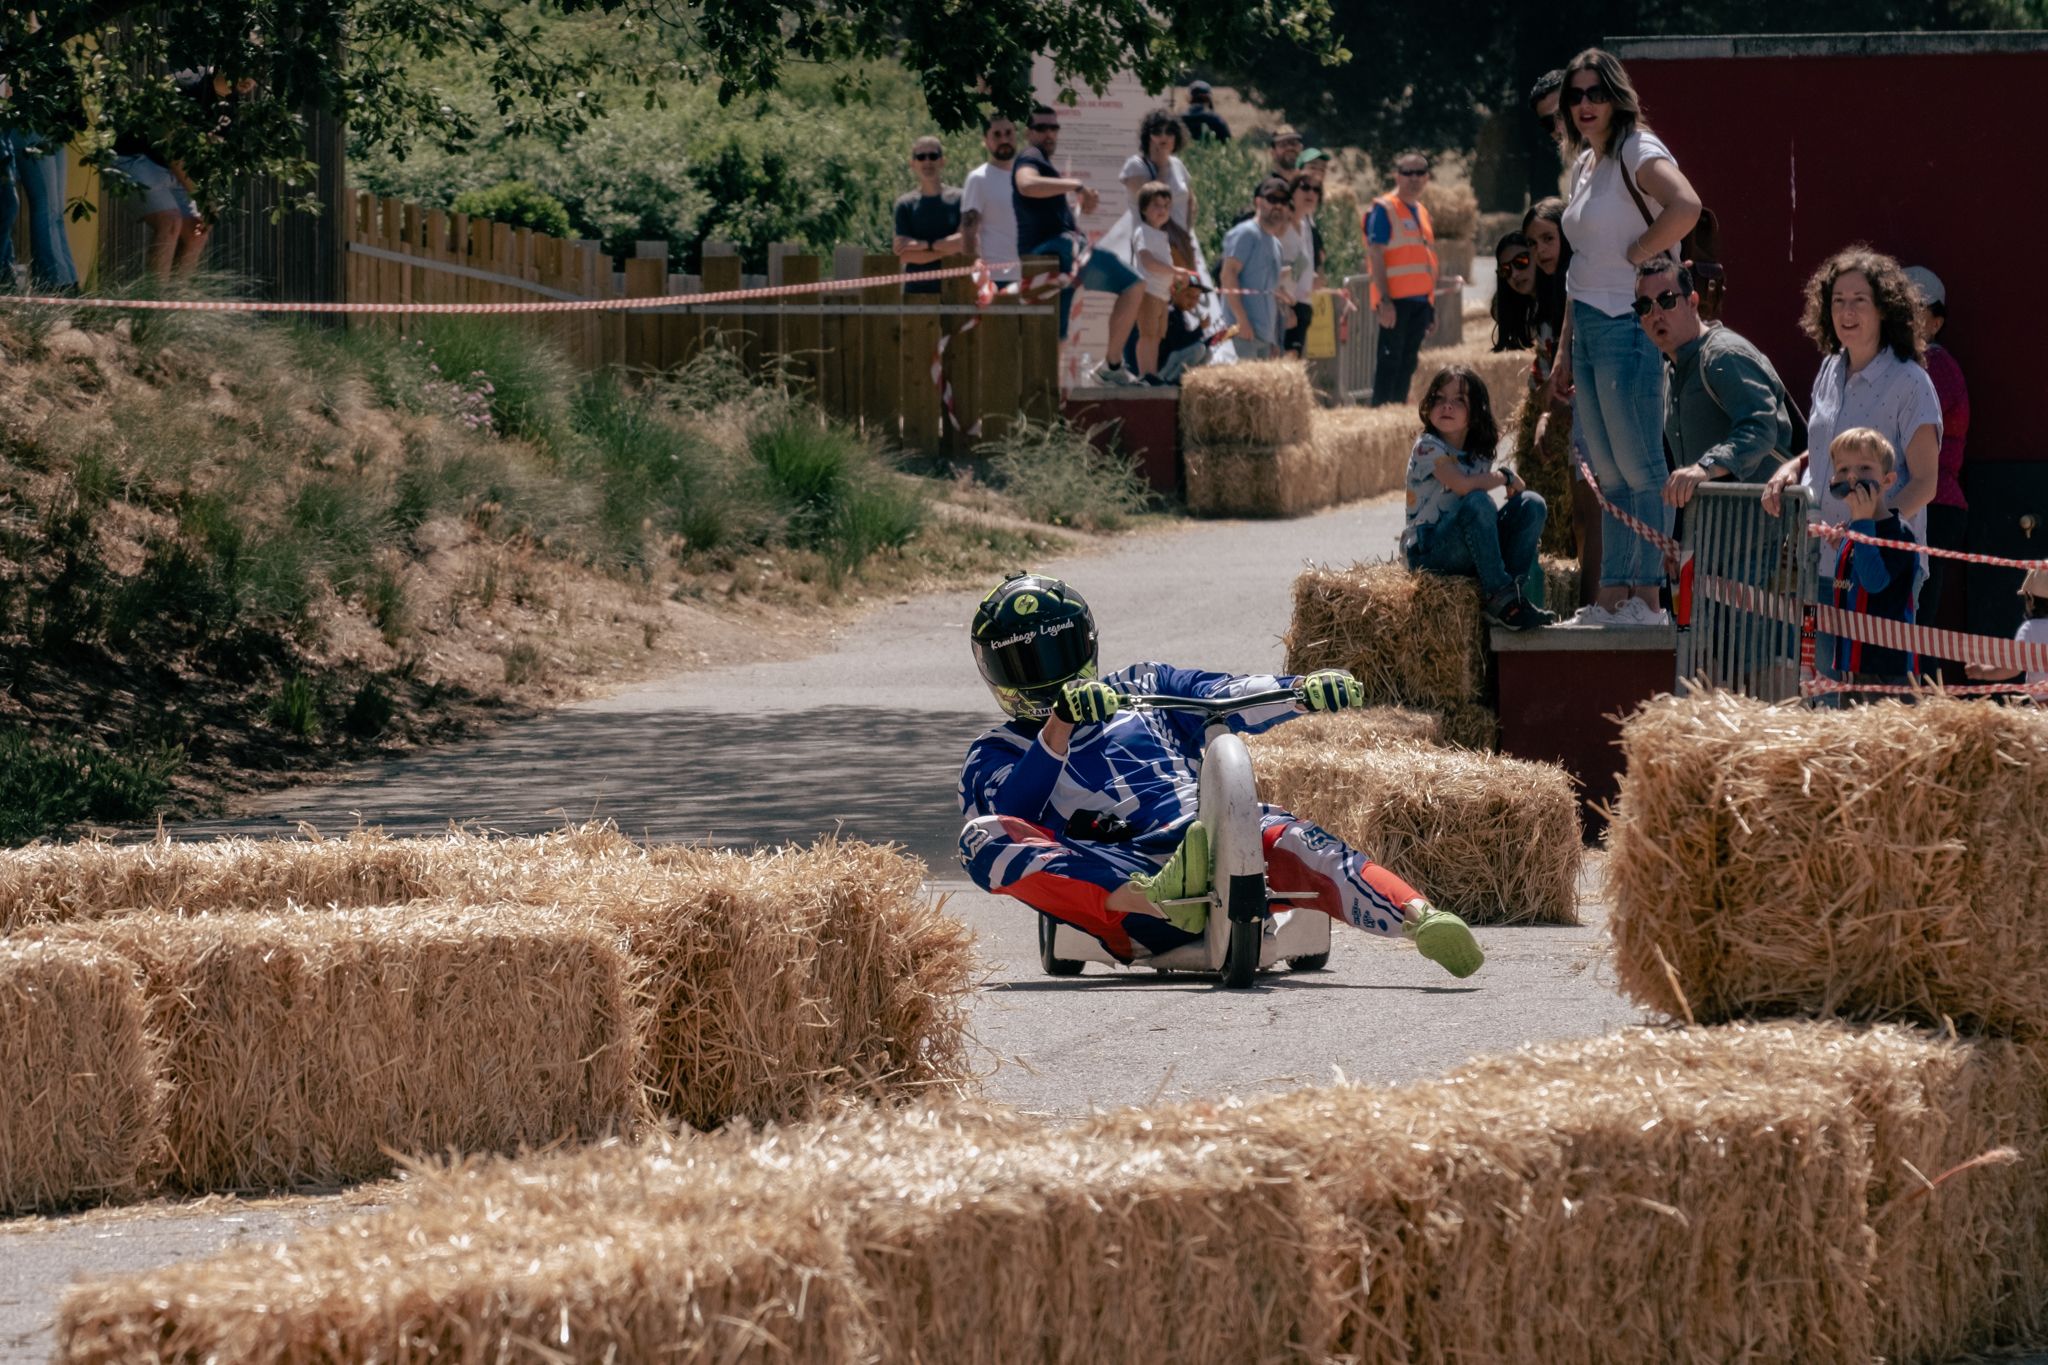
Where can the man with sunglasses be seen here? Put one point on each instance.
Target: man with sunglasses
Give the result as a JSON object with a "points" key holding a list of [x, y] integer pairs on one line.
{"points": [[1251, 263], [1401, 247], [1728, 415], [1046, 226], [928, 218], [1543, 101]]}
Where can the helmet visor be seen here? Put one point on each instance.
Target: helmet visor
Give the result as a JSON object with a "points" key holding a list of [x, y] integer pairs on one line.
{"points": [[1038, 655]]}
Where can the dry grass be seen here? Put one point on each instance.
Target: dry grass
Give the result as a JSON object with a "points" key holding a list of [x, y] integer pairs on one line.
{"points": [[1881, 862], [1494, 840], [1413, 639], [83, 1107], [949, 1237], [1367, 446], [1237, 481], [1362, 728], [309, 1047], [1265, 404], [1505, 374], [773, 982]]}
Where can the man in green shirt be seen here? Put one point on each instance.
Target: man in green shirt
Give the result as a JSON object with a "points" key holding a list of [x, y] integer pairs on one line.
{"points": [[1728, 416]]}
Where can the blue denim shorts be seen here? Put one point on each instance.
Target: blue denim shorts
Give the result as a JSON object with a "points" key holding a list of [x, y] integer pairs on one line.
{"points": [[1106, 273], [161, 192]]}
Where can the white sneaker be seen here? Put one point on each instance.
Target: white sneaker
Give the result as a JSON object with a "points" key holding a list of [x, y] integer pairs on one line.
{"points": [[1593, 614], [1636, 612], [1107, 373]]}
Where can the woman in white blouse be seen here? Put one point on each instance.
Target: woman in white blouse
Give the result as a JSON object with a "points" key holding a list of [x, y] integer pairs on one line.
{"points": [[1159, 137], [1628, 202]]}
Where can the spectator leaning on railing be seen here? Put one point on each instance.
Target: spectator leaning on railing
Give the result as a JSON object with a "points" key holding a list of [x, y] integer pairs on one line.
{"points": [[1728, 415]]}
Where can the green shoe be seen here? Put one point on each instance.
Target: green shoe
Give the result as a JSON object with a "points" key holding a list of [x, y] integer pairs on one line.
{"points": [[1444, 939], [1186, 875]]}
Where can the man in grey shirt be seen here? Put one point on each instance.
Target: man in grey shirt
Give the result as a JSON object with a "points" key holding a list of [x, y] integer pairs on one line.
{"points": [[1728, 416]]}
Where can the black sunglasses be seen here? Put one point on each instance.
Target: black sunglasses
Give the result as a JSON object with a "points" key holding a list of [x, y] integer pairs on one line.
{"points": [[1667, 300], [927, 156], [1516, 262], [1598, 94], [1282, 200], [1045, 127], [1413, 174]]}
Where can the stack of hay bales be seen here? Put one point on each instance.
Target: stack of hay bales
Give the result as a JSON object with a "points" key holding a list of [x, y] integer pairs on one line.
{"points": [[1505, 374], [478, 993], [1493, 840], [1748, 1193], [1877, 862], [1368, 448], [1245, 441], [1416, 640]]}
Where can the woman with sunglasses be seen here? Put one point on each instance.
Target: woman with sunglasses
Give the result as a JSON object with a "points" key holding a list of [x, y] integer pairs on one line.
{"points": [[1628, 203], [1514, 294], [1298, 254]]}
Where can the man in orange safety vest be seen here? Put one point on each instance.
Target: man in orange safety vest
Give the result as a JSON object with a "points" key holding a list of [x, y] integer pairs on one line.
{"points": [[1402, 247]]}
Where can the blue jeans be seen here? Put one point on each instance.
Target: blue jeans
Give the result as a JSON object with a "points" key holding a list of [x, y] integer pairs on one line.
{"points": [[42, 186], [1620, 412], [1497, 546], [1399, 348], [1104, 273]]}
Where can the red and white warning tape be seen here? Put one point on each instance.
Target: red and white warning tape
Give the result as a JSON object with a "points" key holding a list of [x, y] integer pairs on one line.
{"points": [[1827, 619], [1829, 531]]}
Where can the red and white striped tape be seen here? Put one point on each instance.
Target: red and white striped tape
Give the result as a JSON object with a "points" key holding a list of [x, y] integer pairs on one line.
{"points": [[1830, 531]]}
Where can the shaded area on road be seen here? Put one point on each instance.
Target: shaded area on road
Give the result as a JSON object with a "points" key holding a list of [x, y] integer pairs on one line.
{"points": [[671, 776]]}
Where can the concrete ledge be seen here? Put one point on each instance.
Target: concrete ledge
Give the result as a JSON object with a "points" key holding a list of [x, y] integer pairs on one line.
{"points": [[1569, 639], [1719, 46]]}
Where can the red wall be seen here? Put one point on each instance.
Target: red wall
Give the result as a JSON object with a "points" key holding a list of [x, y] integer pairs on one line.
{"points": [[1939, 160]]}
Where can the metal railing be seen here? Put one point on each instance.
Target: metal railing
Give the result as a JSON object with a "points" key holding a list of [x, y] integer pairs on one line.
{"points": [[1751, 574]]}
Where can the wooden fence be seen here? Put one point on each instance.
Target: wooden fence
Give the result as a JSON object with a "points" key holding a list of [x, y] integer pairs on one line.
{"points": [[866, 354]]}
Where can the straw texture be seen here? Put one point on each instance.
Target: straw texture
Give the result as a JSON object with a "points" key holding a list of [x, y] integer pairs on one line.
{"points": [[1367, 446], [1505, 374], [1880, 862], [1263, 403], [1361, 727], [1493, 840], [1413, 639], [1259, 481], [80, 1105], [1546, 466], [309, 1047], [941, 1237]]}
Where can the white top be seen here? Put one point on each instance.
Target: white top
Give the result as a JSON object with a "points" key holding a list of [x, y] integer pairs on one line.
{"points": [[1151, 241], [1175, 179], [1602, 222], [987, 192], [2035, 632], [1892, 396], [1298, 260]]}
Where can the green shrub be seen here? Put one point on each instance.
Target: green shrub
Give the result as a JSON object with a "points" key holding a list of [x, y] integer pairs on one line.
{"points": [[369, 712], [528, 380], [523, 664], [49, 784], [295, 709], [656, 475], [519, 203], [1055, 473]]}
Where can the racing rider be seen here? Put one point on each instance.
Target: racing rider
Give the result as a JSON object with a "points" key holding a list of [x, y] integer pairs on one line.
{"points": [[1087, 812]]}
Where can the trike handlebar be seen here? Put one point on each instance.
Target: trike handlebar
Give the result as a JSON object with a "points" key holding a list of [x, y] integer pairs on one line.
{"points": [[1211, 707]]}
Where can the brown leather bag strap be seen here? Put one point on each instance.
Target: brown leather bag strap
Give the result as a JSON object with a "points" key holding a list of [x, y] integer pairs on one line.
{"points": [[1633, 193]]}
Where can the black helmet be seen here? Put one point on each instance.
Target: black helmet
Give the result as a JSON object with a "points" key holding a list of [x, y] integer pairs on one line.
{"points": [[1031, 634]]}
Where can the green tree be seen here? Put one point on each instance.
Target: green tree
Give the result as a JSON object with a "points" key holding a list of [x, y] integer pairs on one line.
{"points": [[1430, 72], [83, 70]]}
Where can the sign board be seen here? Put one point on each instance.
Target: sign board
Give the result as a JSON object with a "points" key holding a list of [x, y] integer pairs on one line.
{"points": [[1321, 342]]}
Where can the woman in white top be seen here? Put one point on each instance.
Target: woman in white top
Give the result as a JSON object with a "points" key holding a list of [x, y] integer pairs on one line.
{"points": [[1628, 202], [1159, 137], [1860, 312], [1298, 261]]}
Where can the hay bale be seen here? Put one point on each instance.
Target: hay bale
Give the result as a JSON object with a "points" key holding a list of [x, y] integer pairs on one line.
{"points": [[1367, 446], [877, 1236], [1264, 403], [775, 979], [1546, 466], [307, 1048], [1364, 727], [1561, 581], [1256, 481], [1472, 726], [1493, 840], [1879, 862], [1413, 639], [1563, 1213], [1505, 374], [84, 1108]]}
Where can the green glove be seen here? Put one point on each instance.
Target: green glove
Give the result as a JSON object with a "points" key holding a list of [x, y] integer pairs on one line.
{"points": [[1085, 701], [1329, 689]]}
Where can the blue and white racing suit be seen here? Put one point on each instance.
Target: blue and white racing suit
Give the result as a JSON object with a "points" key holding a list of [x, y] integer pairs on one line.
{"points": [[1061, 834]]}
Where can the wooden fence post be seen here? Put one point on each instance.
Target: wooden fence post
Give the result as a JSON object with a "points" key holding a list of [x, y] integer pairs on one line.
{"points": [[800, 338], [882, 343], [1038, 348], [646, 278], [720, 274]]}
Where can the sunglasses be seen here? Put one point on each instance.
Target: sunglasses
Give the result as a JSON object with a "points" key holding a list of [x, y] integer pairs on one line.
{"points": [[1572, 95], [927, 156], [1667, 300], [1412, 175], [1282, 200], [1045, 127], [1518, 262]]}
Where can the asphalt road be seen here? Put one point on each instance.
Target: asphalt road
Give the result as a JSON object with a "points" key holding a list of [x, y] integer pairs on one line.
{"points": [[867, 736]]}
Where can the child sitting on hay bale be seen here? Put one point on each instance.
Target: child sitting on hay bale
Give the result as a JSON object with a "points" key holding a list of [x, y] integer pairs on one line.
{"points": [[1453, 527], [1871, 580], [1086, 812]]}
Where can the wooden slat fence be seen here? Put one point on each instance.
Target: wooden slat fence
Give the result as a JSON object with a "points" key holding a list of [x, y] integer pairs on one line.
{"points": [[866, 354]]}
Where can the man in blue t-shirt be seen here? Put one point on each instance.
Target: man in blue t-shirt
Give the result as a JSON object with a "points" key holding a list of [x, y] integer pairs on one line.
{"points": [[1046, 227], [1251, 263]]}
